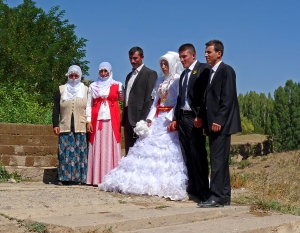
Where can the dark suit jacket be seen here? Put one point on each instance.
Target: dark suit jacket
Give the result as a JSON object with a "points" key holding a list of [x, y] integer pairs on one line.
{"points": [[196, 87], [140, 99], [221, 104]]}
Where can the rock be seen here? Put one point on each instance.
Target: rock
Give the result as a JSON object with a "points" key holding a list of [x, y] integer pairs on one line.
{"points": [[11, 180]]}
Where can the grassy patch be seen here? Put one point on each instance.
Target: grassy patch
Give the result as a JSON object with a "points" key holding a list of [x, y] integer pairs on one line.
{"points": [[244, 163], [122, 202], [161, 207], [37, 227], [277, 189], [5, 175]]}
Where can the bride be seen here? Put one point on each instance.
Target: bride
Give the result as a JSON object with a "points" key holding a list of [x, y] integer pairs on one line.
{"points": [[154, 165]]}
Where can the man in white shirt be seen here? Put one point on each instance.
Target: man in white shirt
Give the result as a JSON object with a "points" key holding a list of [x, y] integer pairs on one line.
{"points": [[139, 86]]}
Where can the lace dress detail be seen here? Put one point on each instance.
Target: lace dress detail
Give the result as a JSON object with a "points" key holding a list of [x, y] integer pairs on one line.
{"points": [[154, 165]]}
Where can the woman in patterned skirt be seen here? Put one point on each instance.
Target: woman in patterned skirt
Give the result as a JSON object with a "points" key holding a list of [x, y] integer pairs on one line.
{"points": [[69, 124], [103, 124]]}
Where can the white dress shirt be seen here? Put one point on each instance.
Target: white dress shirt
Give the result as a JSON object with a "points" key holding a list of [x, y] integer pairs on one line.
{"points": [[186, 105], [130, 82], [214, 69]]}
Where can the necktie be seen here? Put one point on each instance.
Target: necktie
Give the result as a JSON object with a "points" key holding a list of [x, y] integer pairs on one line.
{"points": [[184, 87], [210, 75]]}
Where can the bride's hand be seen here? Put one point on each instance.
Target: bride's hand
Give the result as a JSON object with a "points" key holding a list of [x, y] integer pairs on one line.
{"points": [[149, 122]]}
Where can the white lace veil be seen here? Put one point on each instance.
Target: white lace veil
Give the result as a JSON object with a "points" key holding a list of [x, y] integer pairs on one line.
{"points": [[175, 66]]}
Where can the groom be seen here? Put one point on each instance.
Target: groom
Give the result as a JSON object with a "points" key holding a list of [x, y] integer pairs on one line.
{"points": [[186, 119]]}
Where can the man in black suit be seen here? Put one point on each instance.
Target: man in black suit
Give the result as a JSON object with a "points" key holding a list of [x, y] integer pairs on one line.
{"points": [[193, 82], [222, 116], [139, 86]]}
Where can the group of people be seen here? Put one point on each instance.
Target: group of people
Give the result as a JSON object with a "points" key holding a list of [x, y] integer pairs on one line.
{"points": [[190, 101]]}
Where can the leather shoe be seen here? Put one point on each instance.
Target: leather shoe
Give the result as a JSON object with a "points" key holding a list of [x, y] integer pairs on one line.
{"points": [[227, 203], [211, 204]]}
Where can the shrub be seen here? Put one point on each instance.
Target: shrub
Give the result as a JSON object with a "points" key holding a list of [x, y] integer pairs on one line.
{"points": [[19, 106]]}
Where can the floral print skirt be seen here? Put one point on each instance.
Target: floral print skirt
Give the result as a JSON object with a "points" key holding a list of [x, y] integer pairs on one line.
{"points": [[72, 157]]}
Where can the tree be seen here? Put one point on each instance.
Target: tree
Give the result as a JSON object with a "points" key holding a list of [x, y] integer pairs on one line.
{"points": [[36, 48]]}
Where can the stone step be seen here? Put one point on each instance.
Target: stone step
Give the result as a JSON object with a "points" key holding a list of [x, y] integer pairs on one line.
{"points": [[139, 218], [28, 150], [29, 140], [29, 160], [25, 129], [243, 223]]}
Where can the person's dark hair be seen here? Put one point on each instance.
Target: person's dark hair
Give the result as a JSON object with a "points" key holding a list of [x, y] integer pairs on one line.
{"points": [[218, 45], [136, 49], [189, 47]]}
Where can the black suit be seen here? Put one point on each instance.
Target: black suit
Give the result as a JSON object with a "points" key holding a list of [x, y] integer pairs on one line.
{"points": [[191, 138], [221, 107], [139, 102]]}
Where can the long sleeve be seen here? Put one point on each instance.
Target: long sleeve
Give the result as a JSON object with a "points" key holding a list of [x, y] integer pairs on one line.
{"points": [[89, 105], [56, 110], [155, 101], [121, 92]]}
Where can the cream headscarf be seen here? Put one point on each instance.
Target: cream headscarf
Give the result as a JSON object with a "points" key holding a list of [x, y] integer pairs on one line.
{"points": [[73, 88]]}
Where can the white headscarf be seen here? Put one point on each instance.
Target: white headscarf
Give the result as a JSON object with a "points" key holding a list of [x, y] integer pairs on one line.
{"points": [[175, 66], [103, 84], [74, 88]]}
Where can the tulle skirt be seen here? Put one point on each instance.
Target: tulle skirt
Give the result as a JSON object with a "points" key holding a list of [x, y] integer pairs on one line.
{"points": [[153, 166]]}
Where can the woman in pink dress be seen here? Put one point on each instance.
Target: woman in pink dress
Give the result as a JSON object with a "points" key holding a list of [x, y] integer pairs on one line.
{"points": [[103, 124]]}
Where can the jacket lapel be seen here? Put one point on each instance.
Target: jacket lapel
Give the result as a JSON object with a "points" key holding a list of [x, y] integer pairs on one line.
{"points": [[214, 78], [193, 75]]}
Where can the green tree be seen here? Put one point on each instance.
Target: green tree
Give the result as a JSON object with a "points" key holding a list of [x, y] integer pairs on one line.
{"points": [[37, 47]]}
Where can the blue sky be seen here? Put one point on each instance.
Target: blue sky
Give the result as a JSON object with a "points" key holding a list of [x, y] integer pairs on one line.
{"points": [[261, 37]]}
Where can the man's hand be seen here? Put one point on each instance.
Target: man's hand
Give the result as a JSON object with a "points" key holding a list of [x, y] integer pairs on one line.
{"points": [[198, 122], [204, 131], [149, 122], [56, 131], [89, 127], [172, 126], [215, 127]]}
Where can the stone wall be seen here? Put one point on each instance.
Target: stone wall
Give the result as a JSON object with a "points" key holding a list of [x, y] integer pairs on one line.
{"points": [[36, 145], [27, 145]]}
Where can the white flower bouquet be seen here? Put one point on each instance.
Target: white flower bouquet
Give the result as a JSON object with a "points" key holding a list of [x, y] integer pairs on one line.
{"points": [[141, 129]]}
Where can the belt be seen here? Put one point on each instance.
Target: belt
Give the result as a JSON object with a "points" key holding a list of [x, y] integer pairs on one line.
{"points": [[186, 112]]}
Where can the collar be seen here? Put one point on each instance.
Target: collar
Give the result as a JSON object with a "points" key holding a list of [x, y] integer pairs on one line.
{"points": [[139, 68], [216, 66], [191, 67]]}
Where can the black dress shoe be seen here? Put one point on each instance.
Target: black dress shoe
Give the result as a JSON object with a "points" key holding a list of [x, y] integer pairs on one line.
{"points": [[211, 204], [227, 203]]}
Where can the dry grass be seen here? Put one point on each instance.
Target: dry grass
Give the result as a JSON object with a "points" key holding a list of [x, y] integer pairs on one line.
{"points": [[248, 138], [275, 189]]}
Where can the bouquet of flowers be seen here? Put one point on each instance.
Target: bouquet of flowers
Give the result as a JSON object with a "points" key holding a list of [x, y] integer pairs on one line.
{"points": [[142, 129]]}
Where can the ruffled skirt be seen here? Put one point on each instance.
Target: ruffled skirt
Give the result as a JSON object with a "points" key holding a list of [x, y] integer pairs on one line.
{"points": [[153, 166]]}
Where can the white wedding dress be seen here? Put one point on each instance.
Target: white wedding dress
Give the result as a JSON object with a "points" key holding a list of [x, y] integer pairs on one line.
{"points": [[154, 165]]}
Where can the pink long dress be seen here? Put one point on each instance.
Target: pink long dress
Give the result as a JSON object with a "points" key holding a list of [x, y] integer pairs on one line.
{"points": [[105, 149]]}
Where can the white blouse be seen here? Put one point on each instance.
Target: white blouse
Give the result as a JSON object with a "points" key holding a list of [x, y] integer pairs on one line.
{"points": [[104, 113]]}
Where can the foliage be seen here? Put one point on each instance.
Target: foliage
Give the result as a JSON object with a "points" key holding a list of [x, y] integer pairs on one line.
{"points": [[286, 117], [37, 47], [247, 127], [19, 106], [5, 175], [256, 108]]}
